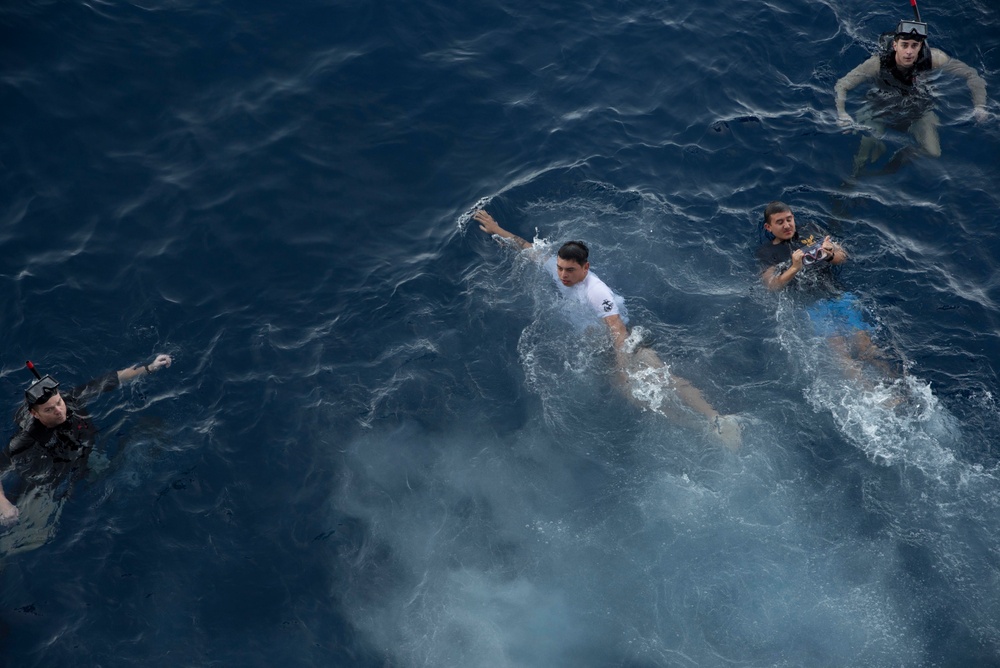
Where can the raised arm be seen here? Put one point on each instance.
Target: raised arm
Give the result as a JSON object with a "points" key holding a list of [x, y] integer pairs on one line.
{"points": [[863, 72], [977, 86], [488, 225], [132, 372]]}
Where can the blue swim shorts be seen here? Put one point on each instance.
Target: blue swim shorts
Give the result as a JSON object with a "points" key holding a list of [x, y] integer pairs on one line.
{"points": [[840, 316]]}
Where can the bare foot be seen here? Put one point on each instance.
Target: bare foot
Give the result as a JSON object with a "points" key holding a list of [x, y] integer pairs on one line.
{"points": [[726, 428]]}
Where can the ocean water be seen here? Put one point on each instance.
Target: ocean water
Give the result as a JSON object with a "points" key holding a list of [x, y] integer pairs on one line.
{"points": [[382, 444]]}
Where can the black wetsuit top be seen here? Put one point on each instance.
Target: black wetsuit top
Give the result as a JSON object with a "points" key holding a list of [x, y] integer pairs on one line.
{"points": [[41, 454], [899, 97]]}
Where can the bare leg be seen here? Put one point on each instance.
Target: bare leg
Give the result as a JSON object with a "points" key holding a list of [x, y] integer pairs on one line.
{"points": [[693, 398], [847, 361], [866, 350], [647, 368], [858, 350], [643, 377]]}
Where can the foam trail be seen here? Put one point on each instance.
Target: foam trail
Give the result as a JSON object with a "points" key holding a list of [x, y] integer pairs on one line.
{"points": [[929, 496], [894, 421]]}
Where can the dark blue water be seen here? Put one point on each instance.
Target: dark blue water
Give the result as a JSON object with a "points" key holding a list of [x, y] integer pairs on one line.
{"points": [[378, 444]]}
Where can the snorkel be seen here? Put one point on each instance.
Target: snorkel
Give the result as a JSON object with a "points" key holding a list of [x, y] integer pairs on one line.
{"points": [[906, 29], [915, 29]]}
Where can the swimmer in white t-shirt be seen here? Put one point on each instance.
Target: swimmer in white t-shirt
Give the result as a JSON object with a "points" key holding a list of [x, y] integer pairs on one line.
{"points": [[591, 291], [571, 269]]}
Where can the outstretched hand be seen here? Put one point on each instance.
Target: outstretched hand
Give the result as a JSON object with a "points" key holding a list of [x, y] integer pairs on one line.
{"points": [[486, 222], [828, 247], [160, 362], [980, 114], [492, 227], [8, 512]]}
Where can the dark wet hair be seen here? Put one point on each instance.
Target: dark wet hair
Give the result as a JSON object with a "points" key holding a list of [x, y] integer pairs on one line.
{"points": [[576, 251], [773, 208]]}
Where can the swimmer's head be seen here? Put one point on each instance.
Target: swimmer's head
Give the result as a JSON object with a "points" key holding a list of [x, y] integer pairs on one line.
{"points": [[914, 30], [571, 262], [909, 43], [576, 251], [773, 208], [45, 403], [779, 221]]}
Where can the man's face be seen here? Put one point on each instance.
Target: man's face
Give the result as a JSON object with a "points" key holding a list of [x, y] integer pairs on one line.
{"points": [[907, 51], [781, 225], [52, 413], [571, 272]]}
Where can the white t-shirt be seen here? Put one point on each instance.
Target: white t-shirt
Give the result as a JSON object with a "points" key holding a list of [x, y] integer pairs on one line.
{"points": [[591, 291]]}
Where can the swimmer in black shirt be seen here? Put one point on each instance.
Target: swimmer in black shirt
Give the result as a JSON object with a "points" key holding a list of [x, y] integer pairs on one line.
{"points": [[804, 263]]}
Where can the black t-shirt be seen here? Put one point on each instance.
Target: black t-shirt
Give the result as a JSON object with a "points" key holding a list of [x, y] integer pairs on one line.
{"points": [[41, 454], [816, 280]]}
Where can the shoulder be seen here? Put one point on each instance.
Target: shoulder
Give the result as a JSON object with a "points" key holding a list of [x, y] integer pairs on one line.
{"points": [[867, 68], [19, 441], [600, 296], [27, 435], [872, 64], [938, 57], [595, 284]]}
